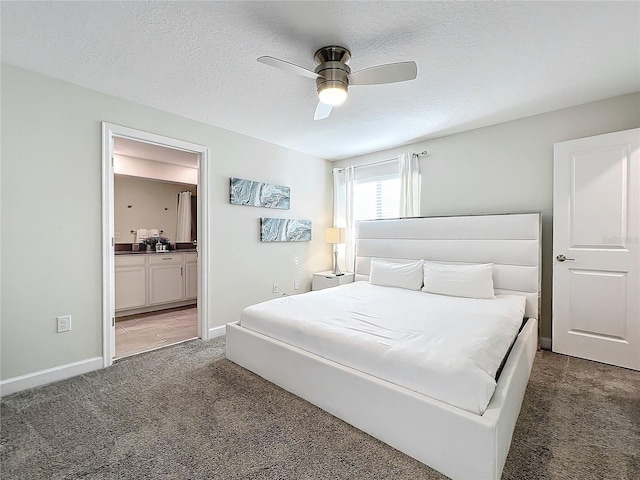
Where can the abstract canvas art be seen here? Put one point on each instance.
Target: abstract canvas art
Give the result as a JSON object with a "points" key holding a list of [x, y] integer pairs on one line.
{"points": [[258, 194], [284, 230]]}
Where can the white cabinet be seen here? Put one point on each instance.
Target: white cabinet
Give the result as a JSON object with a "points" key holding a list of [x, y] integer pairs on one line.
{"points": [[147, 282], [191, 275], [131, 281], [166, 282], [328, 279]]}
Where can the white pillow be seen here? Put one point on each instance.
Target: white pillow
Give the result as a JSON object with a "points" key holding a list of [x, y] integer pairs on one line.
{"points": [[396, 274], [471, 281]]}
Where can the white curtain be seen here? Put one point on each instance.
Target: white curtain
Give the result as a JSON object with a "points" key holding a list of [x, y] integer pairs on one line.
{"points": [[183, 229], [343, 215], [409, 185]]}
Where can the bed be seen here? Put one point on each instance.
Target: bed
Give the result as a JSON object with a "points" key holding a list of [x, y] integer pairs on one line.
{"points": [[464, 438]]}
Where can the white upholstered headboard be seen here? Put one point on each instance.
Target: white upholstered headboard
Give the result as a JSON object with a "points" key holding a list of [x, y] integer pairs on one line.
{"points": [[512, 242]]}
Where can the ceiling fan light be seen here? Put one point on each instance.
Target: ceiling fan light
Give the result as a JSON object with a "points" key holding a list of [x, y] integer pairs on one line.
{"points": [[333, 95]]}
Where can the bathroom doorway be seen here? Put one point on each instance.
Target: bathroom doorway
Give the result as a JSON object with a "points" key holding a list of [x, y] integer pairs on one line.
{"points": [[154, 214], [155, 188]]}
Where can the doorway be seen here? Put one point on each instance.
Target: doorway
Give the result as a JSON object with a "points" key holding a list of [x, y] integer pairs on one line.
{"points": [[153, 266]]}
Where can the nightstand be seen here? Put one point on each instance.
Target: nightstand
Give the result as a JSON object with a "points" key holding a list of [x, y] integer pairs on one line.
{"points": [[328, 279]]}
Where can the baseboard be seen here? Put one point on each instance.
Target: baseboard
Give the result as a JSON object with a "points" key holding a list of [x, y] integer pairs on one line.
{"points": [[156, 308], [545, 343], [36, 379], [217, 331]]}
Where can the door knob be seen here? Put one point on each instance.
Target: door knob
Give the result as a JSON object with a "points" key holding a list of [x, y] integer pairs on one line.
{"points": [[562, 258]]}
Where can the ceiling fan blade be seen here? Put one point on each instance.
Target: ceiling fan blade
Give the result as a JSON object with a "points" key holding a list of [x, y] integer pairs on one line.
{"points": [[288, 67], [389, 73], [323, 110]]}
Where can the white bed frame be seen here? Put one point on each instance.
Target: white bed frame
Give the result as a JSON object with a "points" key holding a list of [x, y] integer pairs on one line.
{"points": [[455, 442]]}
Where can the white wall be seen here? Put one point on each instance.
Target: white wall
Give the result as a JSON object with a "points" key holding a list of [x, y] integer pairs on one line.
{"points": [[509, 167], [148, 199], [140, 167], [51, 184]]}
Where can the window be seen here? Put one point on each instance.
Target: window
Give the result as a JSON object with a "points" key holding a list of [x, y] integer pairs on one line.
{"points": [[376, 192]]}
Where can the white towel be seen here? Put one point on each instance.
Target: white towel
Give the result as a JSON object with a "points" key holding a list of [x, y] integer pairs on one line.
{"points": [[141, 235], [154, 232]]}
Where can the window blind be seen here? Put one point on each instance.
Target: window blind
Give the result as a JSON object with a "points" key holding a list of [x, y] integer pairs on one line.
{"points": [[377, 192]]}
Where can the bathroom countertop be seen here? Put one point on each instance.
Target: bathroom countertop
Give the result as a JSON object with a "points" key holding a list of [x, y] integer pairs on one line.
{"points": [[153, 252]]}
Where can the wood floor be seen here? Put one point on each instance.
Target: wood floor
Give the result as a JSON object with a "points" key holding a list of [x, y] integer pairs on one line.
{"points": [[144, 332]]}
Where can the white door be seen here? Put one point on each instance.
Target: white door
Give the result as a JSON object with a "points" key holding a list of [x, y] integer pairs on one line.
{"points": [[596, 245]]}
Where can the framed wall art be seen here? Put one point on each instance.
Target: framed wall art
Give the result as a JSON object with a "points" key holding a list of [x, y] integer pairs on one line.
{"points": [[258, 194], [284, 230]]}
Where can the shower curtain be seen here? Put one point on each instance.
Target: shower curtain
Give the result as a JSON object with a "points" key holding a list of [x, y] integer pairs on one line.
{"points": [[183, 230]]}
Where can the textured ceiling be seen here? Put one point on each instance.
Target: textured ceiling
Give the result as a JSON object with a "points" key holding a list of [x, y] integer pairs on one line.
{"points": [[479, 63]]}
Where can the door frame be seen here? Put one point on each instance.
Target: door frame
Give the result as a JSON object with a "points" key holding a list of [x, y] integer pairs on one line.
{"points": [[109, 132]]}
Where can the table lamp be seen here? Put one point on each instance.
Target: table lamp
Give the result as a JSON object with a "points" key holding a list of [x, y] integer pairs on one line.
{"points": [[335, 236]]}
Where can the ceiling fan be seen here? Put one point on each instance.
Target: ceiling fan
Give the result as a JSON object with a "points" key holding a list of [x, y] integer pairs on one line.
{"points": [[333, 76]]}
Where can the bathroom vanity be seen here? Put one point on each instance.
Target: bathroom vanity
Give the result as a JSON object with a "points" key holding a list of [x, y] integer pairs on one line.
{"points": [[149, 281]]}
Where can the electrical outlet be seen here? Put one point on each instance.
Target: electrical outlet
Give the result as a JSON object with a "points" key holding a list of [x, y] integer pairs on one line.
{"points": [[64, 323], [296, 284], [276, 288], [117, 234]]}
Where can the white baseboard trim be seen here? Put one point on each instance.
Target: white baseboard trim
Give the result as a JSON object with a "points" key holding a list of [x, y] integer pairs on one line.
{"points": [[217, 331], [545, 343], [36, 379]]}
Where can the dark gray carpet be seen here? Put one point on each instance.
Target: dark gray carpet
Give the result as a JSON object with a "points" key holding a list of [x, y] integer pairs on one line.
{"points": [[185, 412]]}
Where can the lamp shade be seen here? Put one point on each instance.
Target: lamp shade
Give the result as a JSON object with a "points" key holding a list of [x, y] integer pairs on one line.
{"points": [[335, 235]]}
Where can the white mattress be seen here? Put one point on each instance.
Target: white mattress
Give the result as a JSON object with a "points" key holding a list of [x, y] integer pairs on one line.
{"points": [[444, 347]]}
